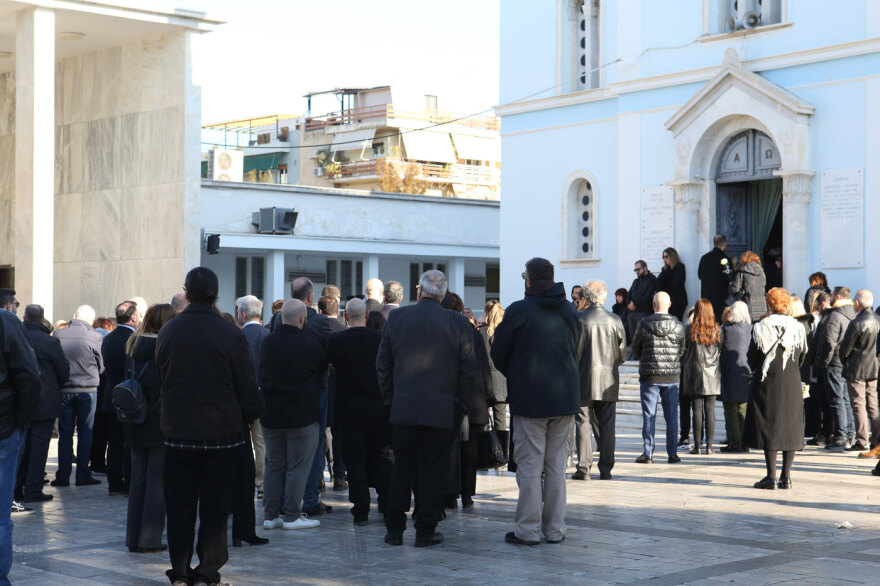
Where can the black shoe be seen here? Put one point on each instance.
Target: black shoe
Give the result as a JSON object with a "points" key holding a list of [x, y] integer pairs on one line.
{"points": [[89, 482], [57, 482], [512, 538], [876, 471], [837, 444], [148, 549], [38, 498], [555, 541], [818, 440], [708, 451], [673, 460], [730, 449], [394, 538], [684, 442], [435, 539], [450, 503], [361, 522], [644, 459], [319, 509], [695, 451], [784, 482], [467, 503], [580, 475], [115, 493], [766, 483], [605, 476], [857, 447]]}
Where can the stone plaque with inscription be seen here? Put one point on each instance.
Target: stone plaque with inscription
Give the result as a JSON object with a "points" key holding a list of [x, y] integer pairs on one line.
{"points": [[843, 222], [657, 224]]}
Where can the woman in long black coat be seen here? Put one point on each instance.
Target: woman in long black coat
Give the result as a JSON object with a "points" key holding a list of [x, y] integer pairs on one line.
{"points": [[671, 280], [775, 415], [735, 373], [748, 284], [700, 371]]}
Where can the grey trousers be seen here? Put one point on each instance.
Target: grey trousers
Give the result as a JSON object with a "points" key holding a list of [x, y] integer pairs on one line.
{"points": [[289, 457], [863, 394], [542, 446], [259, 451], [585, 426]]}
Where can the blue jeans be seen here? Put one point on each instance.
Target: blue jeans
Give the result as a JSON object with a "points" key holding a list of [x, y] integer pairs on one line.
{"points": [[313, 494], [668, 395], [77, 409], [10, 449], [838, 399]]}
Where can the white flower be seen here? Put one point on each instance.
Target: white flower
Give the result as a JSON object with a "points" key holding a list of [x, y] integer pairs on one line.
{"points": [[724, 261]]}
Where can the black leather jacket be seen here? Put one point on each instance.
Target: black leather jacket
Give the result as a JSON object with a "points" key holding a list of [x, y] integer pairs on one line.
{"points": [[858, 350], [600, 351], [19, 376], [658, 344]]}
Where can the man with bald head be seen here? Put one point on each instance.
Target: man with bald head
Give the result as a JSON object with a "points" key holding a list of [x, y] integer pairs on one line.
{"points": [[292, 367], [179, 302], [658, 345]]}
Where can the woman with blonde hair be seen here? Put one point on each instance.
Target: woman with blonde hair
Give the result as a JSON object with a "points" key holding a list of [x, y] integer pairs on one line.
{"points": [[701, 372], [748, 285], [775, 415], [493, 313]]}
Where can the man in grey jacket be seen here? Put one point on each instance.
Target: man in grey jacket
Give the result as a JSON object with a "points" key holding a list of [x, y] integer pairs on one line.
{"points": [[79, 395], [601, 350], [858, 351]]}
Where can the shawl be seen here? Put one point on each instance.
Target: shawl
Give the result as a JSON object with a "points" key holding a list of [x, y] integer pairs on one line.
{"points": [[775, 330]]}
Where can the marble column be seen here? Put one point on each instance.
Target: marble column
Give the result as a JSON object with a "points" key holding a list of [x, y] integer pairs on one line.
{"points": [[456, 276], [34, 223], [276, 281], [795, 228], [371, 268], [688, 195]]}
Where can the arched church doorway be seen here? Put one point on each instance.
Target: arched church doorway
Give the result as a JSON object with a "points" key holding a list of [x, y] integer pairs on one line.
{"points": [[749, 199]]}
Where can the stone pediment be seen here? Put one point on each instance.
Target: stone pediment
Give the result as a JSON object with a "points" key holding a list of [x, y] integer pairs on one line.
{"points": [[734, 85]]}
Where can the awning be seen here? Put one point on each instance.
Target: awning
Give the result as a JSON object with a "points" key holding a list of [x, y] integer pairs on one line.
{"points": [[428, 146], [477, 148], [262, 162], [355, 140]]}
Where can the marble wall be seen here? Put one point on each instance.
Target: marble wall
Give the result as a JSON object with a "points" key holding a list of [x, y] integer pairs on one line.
{"points": [[7, 166]]}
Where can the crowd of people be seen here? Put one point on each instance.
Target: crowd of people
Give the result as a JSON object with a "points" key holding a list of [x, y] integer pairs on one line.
{"points": [[191, 412]]}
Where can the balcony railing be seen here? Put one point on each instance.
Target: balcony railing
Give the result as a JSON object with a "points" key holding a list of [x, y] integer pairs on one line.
{"points": [[454, 173], [387, 111]]}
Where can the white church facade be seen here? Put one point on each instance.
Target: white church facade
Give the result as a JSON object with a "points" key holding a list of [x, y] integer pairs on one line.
{"points": [[631, 126]]}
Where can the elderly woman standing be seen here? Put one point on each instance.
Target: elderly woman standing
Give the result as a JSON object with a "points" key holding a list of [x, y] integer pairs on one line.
{"points": [[748, 284], [735, 373], [701, 374], [775, 415]]}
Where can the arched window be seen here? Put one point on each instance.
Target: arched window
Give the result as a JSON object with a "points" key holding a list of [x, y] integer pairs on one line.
{"points": [[580, 220], [585, 50]]}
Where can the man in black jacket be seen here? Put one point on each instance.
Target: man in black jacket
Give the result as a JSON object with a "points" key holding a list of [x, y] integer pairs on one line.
{"points": [[828, 358], [640, 296], [364, 431], [426, 368], [858, 351], [713, 273], [658, 345], [113, 351], [54, 371], [535, 347], [291, 369], [19, 393], [208, 393]]}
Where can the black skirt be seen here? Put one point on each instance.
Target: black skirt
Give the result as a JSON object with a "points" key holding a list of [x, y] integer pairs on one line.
{"points": [[775, 413]]}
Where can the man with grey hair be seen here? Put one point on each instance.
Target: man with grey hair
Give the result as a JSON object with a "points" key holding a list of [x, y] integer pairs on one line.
{"points": [[393, 297], [658, 345], [601, 351], [426, 369], [179, 302], [858, 351], [79, 396]]}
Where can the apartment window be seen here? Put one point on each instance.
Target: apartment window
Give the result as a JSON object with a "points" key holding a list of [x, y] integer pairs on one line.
{"points": [[284, 133], [359, 276], [345, 280], [258, 265], [414, 275], [241, 267], [585, 51], [378, 150], [264, 138], [580, 218], [736, 15]]}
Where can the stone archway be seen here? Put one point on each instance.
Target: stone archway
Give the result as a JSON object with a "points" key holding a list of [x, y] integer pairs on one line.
{"points": [[734, 101]]}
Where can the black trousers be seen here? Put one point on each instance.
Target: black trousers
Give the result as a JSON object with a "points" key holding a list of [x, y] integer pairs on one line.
{"points": [[365, 443], [468, 462], [244, 516], [29, 481], [118, 456], [198, 482], [704, 412], [422, 453], [97, 455], [146, 501], [606, 422], [685, 405]]}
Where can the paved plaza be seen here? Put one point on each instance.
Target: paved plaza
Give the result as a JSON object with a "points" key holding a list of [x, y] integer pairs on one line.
{"points": [[697, 522]]}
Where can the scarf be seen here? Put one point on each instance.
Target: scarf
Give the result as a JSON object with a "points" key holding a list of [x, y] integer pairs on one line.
{"points": [[775, 330]]}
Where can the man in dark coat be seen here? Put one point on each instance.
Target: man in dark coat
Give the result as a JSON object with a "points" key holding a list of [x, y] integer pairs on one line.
{"points": [[858, 352], [601, 350], [329, 307], [828, 357], [54, 371], [393, 297], [208, 393], [535, 347], [19, 393], [113, 351], [426, 368], [713, 275], [640, 296]]}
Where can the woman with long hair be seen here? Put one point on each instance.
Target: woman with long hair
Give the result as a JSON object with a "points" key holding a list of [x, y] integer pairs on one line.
{"points": [[146, 499], [493, 313], [775, 414], [671, 279], [736, 335], [748, 285], [701, 371]]}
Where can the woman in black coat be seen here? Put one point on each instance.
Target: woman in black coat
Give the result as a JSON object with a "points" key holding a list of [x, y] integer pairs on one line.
{"points": [[701, 374], [775, 415], [671, 280], [748, 284], [735, 373], [146, 497], [493, 313]]}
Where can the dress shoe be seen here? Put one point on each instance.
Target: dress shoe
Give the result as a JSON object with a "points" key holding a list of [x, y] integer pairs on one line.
{"points": [[450, 503], [38, 498], [857, 447], [784, 482], [435, 539], [673, 460], [512, 538], [730, 449], [838, 444], [767, 483], [817, 440], [319, 509], [580, 475], [115, 493], [555, 541], [394, 538], [361, 522], [605, 476], [644, 459], [872, 453], [467, 503], [159, 549], [695, 451], [89, 482], [252, 540], [340, 484], [57, 482]]}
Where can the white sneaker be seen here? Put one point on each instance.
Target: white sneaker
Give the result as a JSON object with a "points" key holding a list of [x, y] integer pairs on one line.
{"points": [[302, 523], [273, 523]]}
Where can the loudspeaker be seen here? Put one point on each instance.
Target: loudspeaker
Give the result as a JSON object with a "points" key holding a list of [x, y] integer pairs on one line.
{"points": [[751, 20], [213, 244]]}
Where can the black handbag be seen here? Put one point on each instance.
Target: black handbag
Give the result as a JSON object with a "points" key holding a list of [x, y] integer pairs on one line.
{"points": [[490, 453]]}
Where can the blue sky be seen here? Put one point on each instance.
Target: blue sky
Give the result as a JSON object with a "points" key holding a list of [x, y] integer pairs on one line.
{"points": [[271, 52]]}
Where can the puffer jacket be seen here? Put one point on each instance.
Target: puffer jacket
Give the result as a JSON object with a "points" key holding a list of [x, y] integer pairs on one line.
{"points": [[828, 343], [701, 369], [858, 350], [749, 284], [658, 344]]}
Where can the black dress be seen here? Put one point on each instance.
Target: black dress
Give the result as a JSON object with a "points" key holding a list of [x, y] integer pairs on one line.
{"points": [[672, 282], [775, 414]]}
